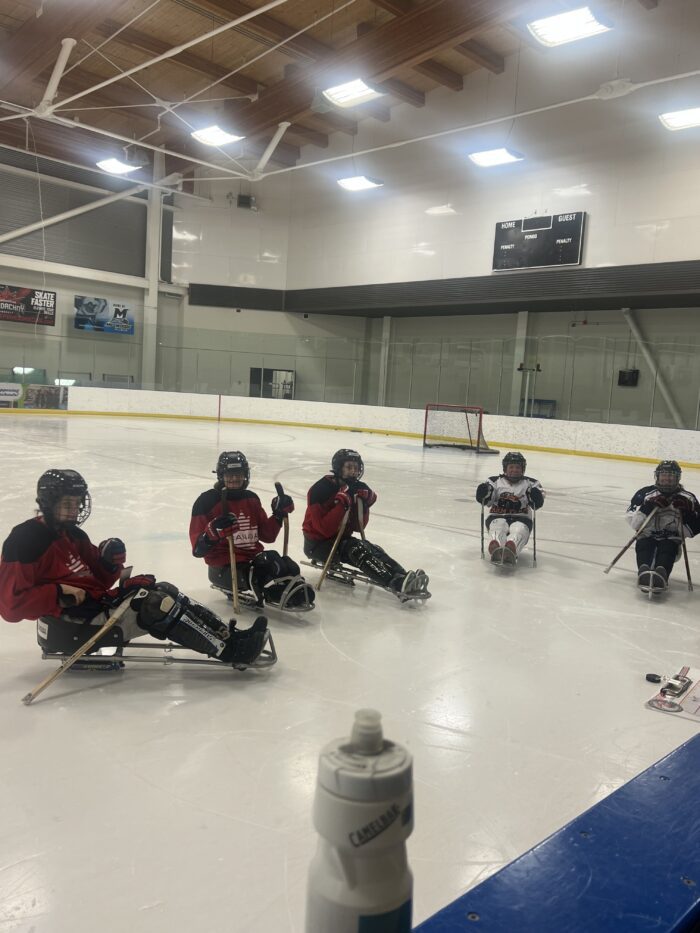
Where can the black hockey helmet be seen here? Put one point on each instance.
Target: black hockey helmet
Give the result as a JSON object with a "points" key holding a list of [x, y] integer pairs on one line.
{"points": [[232, 460], [668, 466], [514, 457], [341, 457], [54, 484]]}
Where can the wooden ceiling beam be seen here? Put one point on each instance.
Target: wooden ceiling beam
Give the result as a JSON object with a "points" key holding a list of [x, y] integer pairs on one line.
{"points": [[308, 136], [380, 54], [202, 66], [430, 68], [482, 55], [36, 44], [334, 122]]}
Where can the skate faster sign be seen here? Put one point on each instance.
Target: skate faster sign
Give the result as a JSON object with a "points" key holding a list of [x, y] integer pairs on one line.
{"points": [[538, 242]]}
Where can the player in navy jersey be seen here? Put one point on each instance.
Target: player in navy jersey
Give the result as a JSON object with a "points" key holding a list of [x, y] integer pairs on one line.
{"points": [[329, 500], [677, 514], [51, 571], [230, 510], [511, 497]]}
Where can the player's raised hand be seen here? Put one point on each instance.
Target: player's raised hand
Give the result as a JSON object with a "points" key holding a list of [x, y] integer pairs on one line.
{"points": [[221, 528]]}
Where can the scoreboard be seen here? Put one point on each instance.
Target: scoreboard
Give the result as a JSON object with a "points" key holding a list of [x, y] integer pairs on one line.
{"points": [[534, 242]]}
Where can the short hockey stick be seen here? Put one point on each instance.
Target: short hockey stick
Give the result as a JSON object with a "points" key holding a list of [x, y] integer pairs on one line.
{"points": [[109, 624], [482, 530], [534, 537], [280, 493], [231, 557], [361, 518], [632, 539], [329, 559], [685, 555]]}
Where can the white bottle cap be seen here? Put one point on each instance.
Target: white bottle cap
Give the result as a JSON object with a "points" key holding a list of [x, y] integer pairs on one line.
{"points": [[366, 766]]}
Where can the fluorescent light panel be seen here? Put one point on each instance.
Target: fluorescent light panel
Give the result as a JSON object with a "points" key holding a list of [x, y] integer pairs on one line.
{"points": [[681, 119], [359, 183], [440, 209], [64, 382], [490, 157], [116, 167], [215, 136], [566, 27], [22, 370], [351, 94]]}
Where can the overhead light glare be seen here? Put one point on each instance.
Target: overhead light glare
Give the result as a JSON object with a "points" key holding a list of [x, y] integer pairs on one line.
{"points": [[359, 183], [22, 370], [351, 94], [116, 166], [440, 209], [215, 136], [681, 119], [566, 27], [64, 382], [490, 157]]}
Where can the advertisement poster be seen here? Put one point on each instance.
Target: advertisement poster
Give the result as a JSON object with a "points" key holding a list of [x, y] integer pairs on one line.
{"points": [[110, 317], [27, 305]]}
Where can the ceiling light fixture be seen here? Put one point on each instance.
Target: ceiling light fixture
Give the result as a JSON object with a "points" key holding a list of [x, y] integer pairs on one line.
{"points": [[215, 136], [440, 209], [490, 157], [351, 94], [566, 27], [22, 370], [116, 166], [359, 183], [681, 119]]}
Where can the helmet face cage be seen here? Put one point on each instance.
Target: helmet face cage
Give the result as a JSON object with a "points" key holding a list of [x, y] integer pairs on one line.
{"points": [[514, 457], [53, 485], [232, 460], [341, 457], [668, 466]]}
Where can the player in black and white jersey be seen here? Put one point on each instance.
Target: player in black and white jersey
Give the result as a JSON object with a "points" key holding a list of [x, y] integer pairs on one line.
{"points": [[511, 497], [677, 514]]}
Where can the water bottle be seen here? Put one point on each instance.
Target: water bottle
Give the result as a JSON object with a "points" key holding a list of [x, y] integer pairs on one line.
{"points": [[359, 879]]}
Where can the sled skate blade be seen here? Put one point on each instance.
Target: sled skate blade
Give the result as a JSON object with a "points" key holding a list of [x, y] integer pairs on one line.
{"points": [[337, 572], [248, 600]]}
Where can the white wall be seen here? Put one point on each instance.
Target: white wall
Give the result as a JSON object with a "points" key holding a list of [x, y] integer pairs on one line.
{"points": [[615, 440]]}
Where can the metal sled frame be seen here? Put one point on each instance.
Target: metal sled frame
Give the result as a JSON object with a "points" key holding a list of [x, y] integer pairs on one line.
{"points": [[504, 565], [347, 575], [249, 599], [162, 653]]}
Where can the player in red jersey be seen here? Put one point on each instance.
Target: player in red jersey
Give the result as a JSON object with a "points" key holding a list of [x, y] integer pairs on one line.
{"points": [[232, 511], [336, 494], [51, 571]]}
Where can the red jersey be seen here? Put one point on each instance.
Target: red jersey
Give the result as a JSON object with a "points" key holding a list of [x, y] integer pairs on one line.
{"points": [[322, 519], [36, 559], [253, 526]]}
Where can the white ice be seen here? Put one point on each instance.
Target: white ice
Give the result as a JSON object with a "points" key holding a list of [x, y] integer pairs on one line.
{"points": [[166, 799]]}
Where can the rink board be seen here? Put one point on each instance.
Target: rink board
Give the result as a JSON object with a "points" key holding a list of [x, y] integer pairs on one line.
{"points": [[631, 862]]}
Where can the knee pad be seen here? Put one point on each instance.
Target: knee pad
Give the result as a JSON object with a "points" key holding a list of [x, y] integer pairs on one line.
{"points": [[165, 613], [269, 565], [368, 558]]}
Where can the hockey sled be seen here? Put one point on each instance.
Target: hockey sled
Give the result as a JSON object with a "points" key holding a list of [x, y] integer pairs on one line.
{"points": [[58, 643], [652, 584], [347, 576], [249, 599], [504, 558]]}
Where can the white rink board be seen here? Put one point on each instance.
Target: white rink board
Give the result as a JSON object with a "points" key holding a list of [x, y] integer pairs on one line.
{"points": [[173, 799], [610, 439]]}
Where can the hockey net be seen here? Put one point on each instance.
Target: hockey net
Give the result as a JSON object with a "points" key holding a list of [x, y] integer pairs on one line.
{"points": [[458, 426]]}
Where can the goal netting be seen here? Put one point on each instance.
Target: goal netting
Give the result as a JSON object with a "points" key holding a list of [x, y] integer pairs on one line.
{"points": [[460, 426]]}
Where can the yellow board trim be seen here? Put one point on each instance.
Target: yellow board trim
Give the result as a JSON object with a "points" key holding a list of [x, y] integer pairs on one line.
{"points": [[330, 427]]}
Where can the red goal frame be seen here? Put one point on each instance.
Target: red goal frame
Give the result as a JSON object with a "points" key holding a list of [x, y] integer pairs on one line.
{"points": [[473, 438]]}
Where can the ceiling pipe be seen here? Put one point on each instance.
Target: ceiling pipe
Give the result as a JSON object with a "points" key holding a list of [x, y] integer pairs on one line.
{"points": [[270, 148], [67, 46], [74, 212], [171, 53]]}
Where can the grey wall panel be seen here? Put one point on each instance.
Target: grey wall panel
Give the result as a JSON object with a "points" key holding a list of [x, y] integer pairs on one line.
{"points": [[111, 238]]}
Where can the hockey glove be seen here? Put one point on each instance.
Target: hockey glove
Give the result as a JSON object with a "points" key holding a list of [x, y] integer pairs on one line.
{"points": [[535, 497], [343, 497], [682, 503], [145, 580], [483, 493], [281, 506], [653, 501], [362, 491], [221, 528], [112, 554]]}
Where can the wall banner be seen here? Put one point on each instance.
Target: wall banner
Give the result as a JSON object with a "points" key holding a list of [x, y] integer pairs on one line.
{"points": [[110, 317], [27, 305]]}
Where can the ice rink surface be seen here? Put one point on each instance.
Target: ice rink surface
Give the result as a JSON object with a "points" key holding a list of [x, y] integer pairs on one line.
{"points": [[167, 798]]}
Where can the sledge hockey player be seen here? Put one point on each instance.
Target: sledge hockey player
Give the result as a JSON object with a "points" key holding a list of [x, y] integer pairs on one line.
{"points": [[658, 546], [329, 500], [50, 571], [511, 497], [231, 510]]}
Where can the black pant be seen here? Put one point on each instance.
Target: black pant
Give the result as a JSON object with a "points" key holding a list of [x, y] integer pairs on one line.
{"points": [[221, 576], [367, 557], [657, 552]]}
